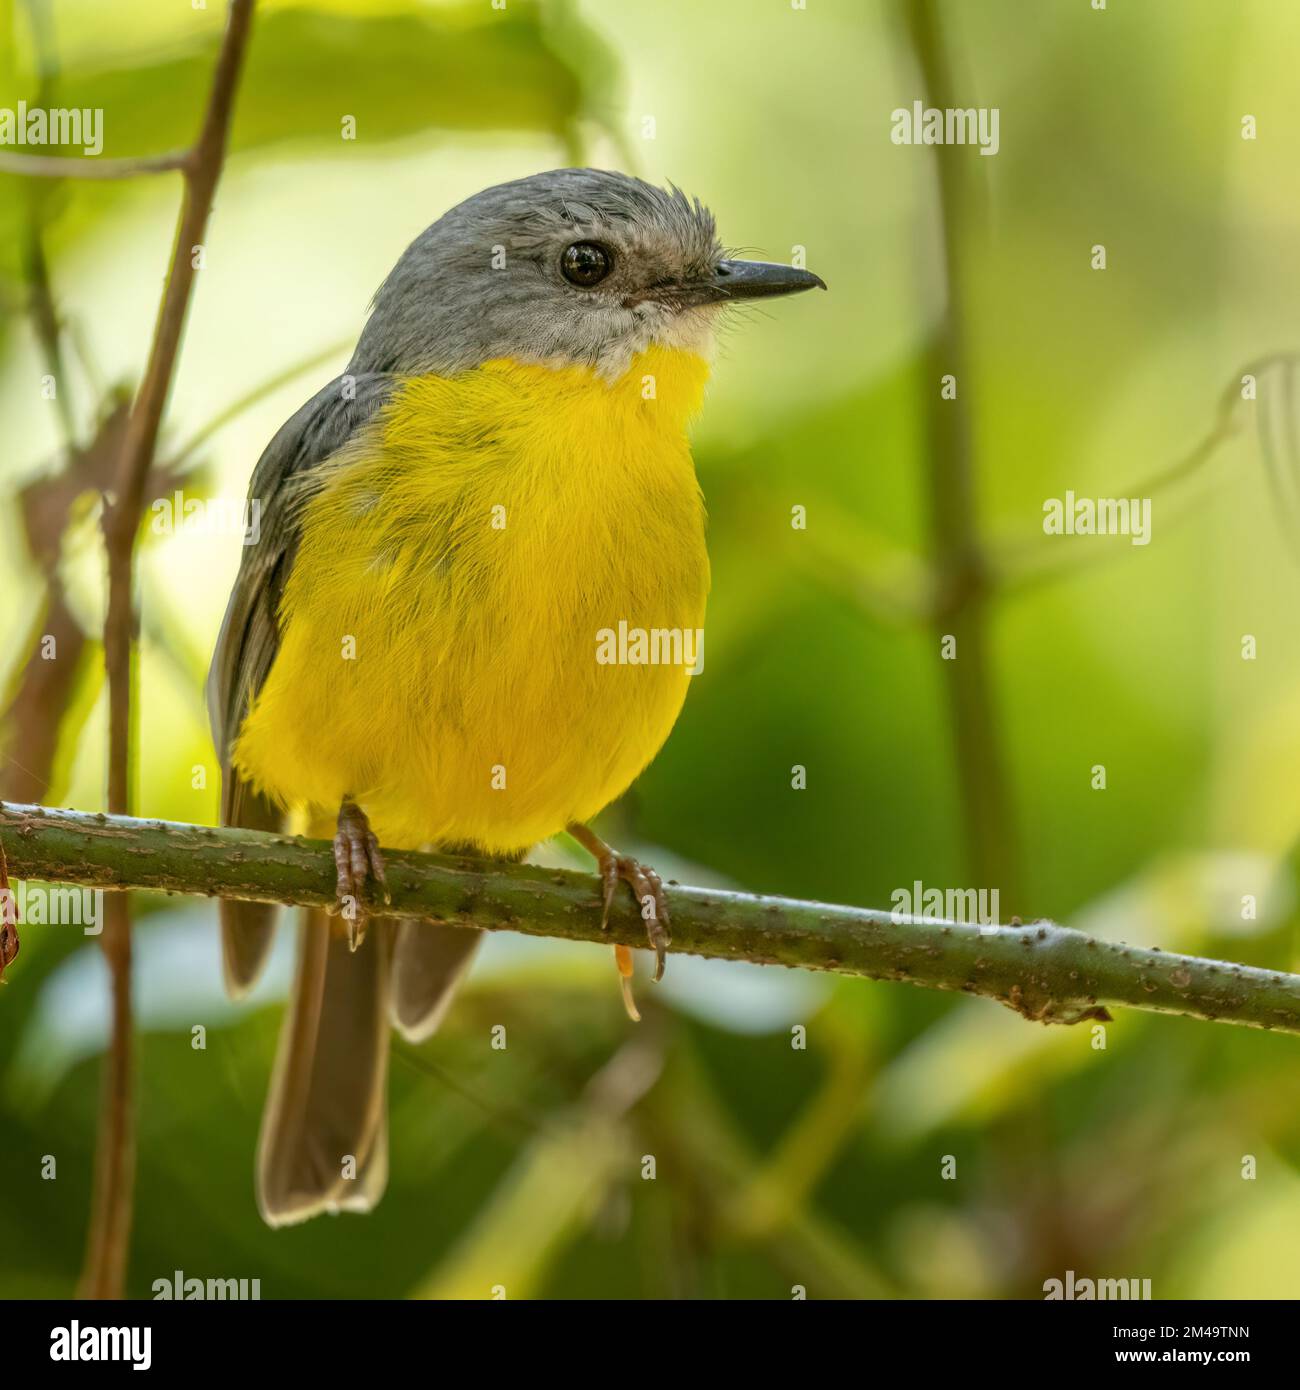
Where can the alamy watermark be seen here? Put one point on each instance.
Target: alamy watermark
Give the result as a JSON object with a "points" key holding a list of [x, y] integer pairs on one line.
{"points": [[179, 515], [971, 906], [59, 125], [37, 905], [963, 125], [654, 646], [1098, 516], [178, 1287], [77, 1342], [1085, 1290]]}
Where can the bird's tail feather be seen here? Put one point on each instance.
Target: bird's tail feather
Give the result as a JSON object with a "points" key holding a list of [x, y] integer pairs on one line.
{"points": [[324, 1140], [247, 929], [429, 960]]}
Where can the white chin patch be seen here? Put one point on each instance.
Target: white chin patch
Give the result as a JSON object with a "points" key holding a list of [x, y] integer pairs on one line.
{"points": [[691, 330], [686, 330]]}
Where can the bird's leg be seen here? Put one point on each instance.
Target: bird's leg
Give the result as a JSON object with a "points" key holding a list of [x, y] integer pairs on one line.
{"points": [[356, 859], [648, 888]]}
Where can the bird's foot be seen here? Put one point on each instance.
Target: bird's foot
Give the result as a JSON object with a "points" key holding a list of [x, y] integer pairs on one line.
{"points": [[356, 860], [648, 888]]}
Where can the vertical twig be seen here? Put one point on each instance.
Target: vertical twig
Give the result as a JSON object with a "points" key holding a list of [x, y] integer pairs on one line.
{"points": [[40, 295], [45, 318], [104, 1273], [958, 557]]}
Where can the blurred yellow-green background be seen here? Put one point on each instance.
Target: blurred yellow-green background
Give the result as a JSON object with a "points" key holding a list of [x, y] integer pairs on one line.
{"points": [[775, 1166]]}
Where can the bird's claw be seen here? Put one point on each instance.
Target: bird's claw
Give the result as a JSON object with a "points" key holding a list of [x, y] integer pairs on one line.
{"points": [[357, 859], [651, 898], [648, 889]]}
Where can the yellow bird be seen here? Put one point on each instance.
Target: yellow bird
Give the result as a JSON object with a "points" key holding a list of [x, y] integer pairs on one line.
{"points": [[472, 612]]}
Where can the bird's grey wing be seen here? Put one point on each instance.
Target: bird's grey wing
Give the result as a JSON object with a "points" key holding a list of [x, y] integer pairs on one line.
{"points": [[250, 632]]}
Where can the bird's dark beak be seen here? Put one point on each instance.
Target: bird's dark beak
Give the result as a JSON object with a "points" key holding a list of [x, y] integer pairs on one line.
{"points": [[732, 280], [761, 280]]}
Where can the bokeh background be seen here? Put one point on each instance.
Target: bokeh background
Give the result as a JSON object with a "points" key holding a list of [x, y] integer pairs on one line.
{"points": [[775, 1166]]}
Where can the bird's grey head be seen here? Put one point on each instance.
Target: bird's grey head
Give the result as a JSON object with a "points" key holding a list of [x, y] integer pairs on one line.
{"points": [[576, 266]]}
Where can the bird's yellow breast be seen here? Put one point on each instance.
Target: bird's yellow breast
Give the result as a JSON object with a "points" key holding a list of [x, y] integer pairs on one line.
{"points": [[461, 566]]}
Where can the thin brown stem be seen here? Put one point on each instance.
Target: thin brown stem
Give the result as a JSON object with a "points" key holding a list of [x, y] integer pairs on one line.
{"points": [[45, 323], [1023, 564], [43, 166], [958, 559], [104, 1274]]}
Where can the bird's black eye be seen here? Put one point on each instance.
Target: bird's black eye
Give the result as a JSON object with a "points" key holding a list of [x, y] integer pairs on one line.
{"points": [[585, 263]]}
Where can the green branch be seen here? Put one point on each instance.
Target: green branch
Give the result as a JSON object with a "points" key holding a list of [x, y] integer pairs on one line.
{"points": [[1043, 971]]}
